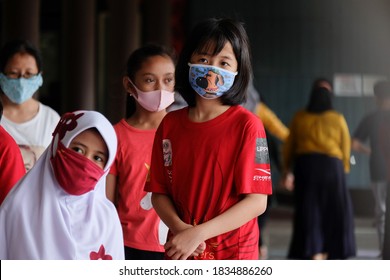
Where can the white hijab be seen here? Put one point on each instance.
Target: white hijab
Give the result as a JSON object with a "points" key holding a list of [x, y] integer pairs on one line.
{"points": [[39, 220]]}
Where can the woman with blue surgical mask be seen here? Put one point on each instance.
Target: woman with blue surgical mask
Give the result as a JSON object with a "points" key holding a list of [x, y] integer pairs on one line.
{"points": [[27, 120]]}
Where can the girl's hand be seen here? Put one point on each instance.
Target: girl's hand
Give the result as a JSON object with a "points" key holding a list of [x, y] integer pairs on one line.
{"points": [[199, 250], [185, 244]]}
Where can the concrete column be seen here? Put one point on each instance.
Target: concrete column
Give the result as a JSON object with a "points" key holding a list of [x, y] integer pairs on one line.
{"points": [[78, 48], [123, 38], [20, 20], [157, 22]]}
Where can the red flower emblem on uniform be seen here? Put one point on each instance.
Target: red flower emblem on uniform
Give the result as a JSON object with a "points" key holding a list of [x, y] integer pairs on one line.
{"points": [[100, 255], [68, 122]]}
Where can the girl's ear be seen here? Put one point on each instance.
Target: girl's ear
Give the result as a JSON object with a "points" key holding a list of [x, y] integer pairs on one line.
{"points": [[128, 86]]}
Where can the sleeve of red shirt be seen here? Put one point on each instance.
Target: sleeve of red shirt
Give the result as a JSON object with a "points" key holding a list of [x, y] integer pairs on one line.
{"points": [[158, 182], [113, 168], [11, 165], [253, 172], [114, 165]]}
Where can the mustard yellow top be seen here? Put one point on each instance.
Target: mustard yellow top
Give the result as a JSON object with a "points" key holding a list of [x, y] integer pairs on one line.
{"points": [[325, 133], [271, 122]]}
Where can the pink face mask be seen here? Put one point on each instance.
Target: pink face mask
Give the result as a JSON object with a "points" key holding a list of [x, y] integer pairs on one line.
{"points": [[75, 173], [154, 101]]}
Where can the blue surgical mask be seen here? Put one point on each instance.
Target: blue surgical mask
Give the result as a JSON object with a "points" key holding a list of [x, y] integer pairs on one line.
{"points": [[21, 89], [210, 82]]}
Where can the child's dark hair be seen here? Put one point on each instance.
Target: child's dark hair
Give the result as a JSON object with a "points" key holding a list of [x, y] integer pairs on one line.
{"points": [[134, 64], [212, 35], [19, 46], [135, 60]]}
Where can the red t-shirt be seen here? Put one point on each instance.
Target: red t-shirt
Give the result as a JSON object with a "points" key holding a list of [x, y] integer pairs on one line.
{"points": [[142, 228], [11, 163], [206, 167]]}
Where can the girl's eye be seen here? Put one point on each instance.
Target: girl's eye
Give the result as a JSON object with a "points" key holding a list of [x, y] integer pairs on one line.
{"points": [[203, 60], [149, 80], [78, 150], [99, 159], [169, 80]]}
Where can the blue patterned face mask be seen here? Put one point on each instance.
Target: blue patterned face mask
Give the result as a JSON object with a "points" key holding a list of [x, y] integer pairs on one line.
{"points": [[21, 89], [210, 82]]}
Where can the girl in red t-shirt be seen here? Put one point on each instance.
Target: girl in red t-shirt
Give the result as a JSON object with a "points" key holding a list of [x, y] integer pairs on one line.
{"points": [[210, 171], [149, 82]]}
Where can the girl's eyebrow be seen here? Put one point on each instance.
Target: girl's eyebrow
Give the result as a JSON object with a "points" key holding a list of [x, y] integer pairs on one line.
{"points": [[227, 57], [202, 53], [102, 153], [147, 74], [78, 143]]}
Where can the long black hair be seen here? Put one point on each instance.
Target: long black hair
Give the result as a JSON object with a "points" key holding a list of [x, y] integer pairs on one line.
{"points": [[212, 35], [320, 100]]}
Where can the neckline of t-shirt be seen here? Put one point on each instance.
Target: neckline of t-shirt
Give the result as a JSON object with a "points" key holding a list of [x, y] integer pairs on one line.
{"points": [[210, 123], [27, 123]]}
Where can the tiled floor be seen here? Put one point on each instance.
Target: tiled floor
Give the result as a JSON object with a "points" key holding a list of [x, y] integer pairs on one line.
{"points": [[277, 235]]}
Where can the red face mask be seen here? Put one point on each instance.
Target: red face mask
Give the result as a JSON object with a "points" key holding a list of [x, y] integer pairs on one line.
{"points": [[75, 173]]}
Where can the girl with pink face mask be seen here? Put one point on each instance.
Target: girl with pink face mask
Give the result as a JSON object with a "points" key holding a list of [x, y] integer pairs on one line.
{"points": [[150, 82]]}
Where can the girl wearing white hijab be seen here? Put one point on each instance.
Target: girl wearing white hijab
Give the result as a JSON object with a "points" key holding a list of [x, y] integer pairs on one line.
{"points": [[59, 210]]}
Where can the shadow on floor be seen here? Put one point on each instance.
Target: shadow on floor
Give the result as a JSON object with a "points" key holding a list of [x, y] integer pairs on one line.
{"points": [[277, 233]]}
